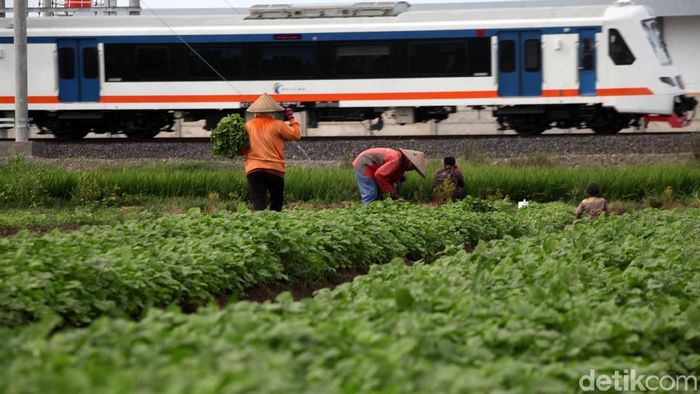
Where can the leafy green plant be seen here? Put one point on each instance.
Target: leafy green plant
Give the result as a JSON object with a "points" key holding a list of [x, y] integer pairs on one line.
{"points": [[122, 269], [523, 316], [230, 137]]}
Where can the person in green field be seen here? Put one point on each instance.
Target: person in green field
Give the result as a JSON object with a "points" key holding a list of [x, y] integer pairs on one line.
{"points": [[449, 182], [593, 205], [381, 171]]}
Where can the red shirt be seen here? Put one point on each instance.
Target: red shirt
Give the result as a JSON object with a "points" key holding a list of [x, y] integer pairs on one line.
{"points": [[385, 165]]}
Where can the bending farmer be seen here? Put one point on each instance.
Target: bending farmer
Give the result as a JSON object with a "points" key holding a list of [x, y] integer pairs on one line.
{"points": [[381, 169]]}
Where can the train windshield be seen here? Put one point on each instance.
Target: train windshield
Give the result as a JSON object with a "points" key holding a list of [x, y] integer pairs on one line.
{"points": [[657, 41]]}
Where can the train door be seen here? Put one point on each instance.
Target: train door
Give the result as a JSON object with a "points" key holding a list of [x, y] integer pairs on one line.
{"points": [[520, 63], [78, 71], [587, 62]]}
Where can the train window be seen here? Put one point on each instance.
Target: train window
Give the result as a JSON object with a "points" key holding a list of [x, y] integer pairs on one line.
{"points": [[587, 54], [620, 53], [119, 62], [533, 55], [153, 63], [506, 56], [442, 58], [227, 61], [91, 68], [363, 60], [66, 63], [288, 62], [479, 51]]}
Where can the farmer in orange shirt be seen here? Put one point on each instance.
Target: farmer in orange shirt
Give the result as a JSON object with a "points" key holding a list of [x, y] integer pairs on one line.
{"points": [[382, 169], [264, 158]]}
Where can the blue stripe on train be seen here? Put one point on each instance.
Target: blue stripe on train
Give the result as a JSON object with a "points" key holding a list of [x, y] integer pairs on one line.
{"points": [[305, 37]]}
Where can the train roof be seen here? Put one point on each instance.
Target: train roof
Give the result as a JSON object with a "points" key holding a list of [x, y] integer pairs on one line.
{"points": [[467, 16], [486, 13], [660, 7]]}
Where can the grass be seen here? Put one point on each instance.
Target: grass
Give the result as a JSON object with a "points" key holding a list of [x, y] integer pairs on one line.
{"points": [[25, 184]]}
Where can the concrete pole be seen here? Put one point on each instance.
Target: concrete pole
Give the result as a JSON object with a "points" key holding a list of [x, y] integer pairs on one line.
{"points": [[135, 3], [21, 92]]}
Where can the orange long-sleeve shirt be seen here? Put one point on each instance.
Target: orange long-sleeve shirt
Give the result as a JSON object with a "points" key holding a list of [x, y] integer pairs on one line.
{"points": [[266, 150]]}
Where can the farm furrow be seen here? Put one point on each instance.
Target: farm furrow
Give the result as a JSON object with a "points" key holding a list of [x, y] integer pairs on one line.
{"points": [[189, 260], [528, 315]]}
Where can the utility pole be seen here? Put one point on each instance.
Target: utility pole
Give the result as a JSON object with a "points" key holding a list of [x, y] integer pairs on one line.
{"points": [[19, 12]]}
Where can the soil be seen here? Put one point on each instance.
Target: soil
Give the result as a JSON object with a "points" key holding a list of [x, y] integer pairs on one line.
{"points": [[10, 231], [299, 290]]}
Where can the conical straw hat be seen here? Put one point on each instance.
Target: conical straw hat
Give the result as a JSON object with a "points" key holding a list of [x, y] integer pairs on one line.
{"points": [[265, 103], [417, 158]]}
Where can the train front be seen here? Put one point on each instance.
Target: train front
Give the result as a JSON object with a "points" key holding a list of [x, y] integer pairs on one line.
{"points": [[684, 106], [668, 100]]}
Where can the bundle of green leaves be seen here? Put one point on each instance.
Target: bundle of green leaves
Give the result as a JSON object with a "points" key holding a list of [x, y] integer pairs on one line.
{"points": [[230, 136]]}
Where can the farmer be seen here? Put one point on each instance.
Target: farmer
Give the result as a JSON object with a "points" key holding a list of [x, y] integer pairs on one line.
{"points": [[264, 158], [380, 170], [449, 182], [593, 205]]}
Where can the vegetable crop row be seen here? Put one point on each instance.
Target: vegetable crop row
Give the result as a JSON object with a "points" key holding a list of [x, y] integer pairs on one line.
{"points": [[188, 259], [529, 315]]}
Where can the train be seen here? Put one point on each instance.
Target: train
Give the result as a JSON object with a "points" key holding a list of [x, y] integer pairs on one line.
{"points": [[604, 68]]}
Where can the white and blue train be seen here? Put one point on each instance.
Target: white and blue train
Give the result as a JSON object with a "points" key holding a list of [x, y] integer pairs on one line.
{"points": [[604, 68]]}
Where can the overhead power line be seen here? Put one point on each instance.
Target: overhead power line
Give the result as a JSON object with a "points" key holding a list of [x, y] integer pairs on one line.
{"points": [[191, 48]]}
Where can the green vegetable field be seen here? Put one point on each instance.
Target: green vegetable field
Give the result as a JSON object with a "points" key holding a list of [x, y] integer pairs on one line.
{"points": [[188, 259], [472, 297]]}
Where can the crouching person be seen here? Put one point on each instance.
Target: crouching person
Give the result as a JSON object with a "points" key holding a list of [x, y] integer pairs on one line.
{"points": [[593, 205], [449, 182], [380, 170]]}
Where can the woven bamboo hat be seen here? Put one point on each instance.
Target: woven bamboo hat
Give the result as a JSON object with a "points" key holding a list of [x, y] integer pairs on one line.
{"points": [[265, 103], [417, 158]]}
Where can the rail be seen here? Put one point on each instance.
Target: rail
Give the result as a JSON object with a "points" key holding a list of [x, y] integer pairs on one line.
{"points": [[207, 140]]}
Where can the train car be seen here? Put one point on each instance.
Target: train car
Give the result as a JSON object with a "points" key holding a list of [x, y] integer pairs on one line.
{"points": [[604, 68]]}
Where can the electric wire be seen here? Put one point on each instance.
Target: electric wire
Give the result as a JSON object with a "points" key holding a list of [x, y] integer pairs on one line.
{"points": [[205, 61], [232, 7], [192, 49]]}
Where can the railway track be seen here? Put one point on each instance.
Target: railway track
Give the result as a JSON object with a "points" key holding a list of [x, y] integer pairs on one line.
{"points": [[337, 148], [164, 140]]}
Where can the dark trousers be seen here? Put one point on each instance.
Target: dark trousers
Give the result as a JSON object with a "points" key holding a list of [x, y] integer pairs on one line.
{"points": [[262, 182]]}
